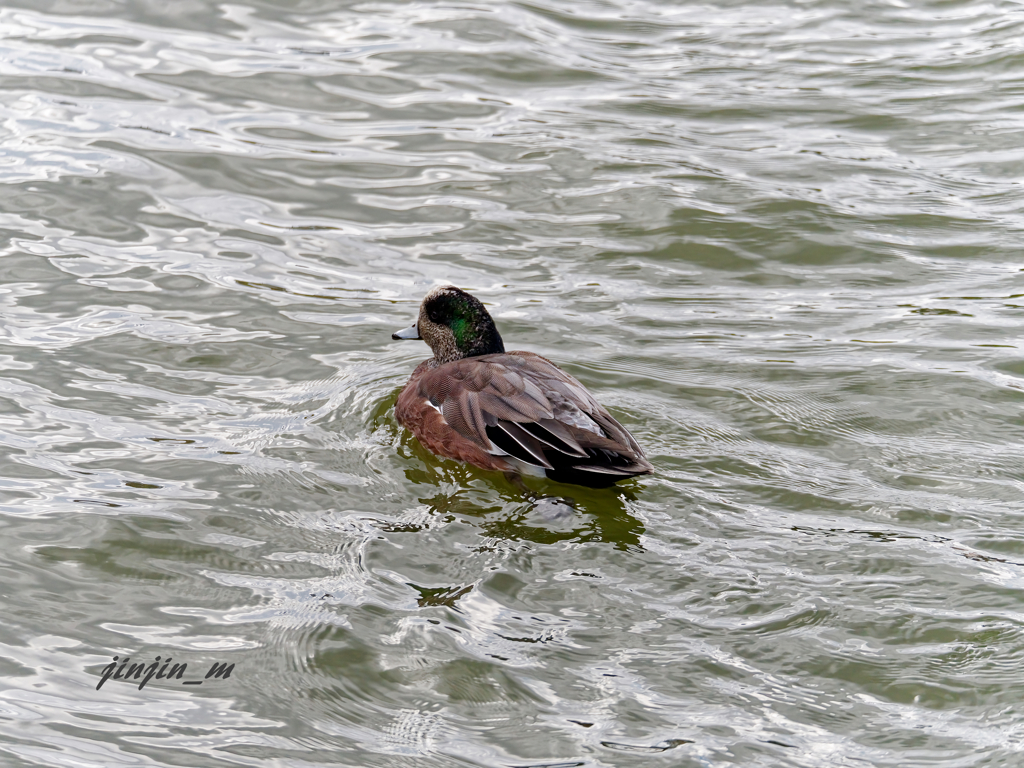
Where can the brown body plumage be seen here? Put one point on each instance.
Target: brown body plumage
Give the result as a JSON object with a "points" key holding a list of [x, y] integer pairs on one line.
{"points": [[510, 411]]}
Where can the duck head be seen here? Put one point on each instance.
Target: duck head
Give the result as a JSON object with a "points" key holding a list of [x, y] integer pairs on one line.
{"points": [[455, 325]]}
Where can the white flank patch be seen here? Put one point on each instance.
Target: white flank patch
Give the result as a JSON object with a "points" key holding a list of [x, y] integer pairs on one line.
{"points": [[436, 408]]}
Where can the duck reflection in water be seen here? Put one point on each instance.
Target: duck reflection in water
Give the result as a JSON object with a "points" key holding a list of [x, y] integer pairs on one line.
{"points": [[586, 517]]}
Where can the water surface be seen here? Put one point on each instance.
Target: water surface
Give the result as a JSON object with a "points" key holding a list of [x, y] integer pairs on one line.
{"points": [[780, 242]]}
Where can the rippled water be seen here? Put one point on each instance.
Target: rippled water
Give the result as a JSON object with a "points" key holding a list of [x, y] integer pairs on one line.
{"points": [[781, 242]]}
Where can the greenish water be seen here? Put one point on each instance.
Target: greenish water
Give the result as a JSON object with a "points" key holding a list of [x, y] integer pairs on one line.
{"points": [[782, 243]]}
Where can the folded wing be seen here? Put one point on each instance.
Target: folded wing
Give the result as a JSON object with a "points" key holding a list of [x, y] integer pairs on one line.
{"points": [[522, 407]]}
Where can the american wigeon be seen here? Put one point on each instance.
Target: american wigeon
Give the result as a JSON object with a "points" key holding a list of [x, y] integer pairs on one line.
{"points": [[510, 411]]}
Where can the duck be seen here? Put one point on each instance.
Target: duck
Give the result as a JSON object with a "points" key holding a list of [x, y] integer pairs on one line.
{"points": [[515, 412]]}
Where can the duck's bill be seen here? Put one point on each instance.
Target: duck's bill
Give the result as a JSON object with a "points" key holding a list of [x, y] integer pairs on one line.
{"points": [[412, 332]]}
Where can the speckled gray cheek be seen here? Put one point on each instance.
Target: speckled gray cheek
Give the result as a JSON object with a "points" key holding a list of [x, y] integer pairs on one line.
{"points": [[440, 340]]}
